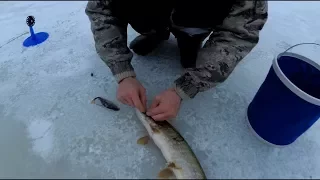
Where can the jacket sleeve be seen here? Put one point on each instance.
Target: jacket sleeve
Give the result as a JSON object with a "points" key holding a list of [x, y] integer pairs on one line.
{"points": [[110, 36], [227, 45]]}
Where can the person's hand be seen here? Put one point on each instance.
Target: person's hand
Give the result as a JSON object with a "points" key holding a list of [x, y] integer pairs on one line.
{"points": [[165, 106], [132, 93]]}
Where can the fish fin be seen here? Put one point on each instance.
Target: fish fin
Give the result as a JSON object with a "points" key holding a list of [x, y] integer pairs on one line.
{"points": [[173, 165], [143, 140], [165, 173]]}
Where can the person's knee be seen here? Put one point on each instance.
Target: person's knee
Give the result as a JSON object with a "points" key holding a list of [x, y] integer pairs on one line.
{"points": [[144, 44]]}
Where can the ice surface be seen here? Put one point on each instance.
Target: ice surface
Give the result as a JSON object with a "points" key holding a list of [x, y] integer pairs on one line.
{"points": [[49, 129]]}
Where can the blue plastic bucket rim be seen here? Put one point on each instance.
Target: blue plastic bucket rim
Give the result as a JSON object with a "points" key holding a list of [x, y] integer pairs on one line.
{"points": [[303, 95]]}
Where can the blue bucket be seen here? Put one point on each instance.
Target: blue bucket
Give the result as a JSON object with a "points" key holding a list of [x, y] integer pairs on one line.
{"points": [[288, 102]]}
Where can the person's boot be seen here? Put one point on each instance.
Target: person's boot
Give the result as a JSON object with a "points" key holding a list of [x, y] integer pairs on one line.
{"points": [[189, 48], [143, 45]]}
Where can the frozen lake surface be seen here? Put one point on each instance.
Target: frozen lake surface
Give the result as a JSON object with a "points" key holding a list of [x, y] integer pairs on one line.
{"points": [[49, 129]]}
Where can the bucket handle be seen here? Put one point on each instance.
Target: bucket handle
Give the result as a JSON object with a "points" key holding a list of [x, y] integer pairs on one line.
{"points": [[299, 45]]}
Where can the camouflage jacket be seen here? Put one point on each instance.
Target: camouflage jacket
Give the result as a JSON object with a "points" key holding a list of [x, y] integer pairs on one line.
{"points": [[231, 40]]}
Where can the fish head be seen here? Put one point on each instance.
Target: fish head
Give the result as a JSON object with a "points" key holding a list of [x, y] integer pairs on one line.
{"points": [[147, 121], [157, 126], [142, 116]]}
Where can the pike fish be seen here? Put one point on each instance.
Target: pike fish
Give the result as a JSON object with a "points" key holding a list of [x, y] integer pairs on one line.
{"points": [[181, 161]]}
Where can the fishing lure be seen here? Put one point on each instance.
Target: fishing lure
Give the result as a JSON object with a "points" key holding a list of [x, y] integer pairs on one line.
{"points": [[105, 103]]}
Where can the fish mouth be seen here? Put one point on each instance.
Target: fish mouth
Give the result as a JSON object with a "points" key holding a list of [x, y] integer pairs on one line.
{"points": [[145, 113], [159, 123]]}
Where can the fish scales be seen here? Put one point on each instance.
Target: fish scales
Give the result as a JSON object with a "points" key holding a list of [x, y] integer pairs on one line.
{"points": [[178, 154]]}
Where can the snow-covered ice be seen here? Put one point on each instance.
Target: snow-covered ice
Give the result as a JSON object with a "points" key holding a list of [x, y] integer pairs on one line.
{"points": [[49, 129]]}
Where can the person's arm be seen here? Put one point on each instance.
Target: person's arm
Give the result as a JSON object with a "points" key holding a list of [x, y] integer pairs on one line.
{"points": [[110, 36], [227, 45]]}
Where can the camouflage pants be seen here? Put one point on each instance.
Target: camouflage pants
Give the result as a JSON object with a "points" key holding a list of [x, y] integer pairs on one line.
{"points": [[189, 44]]}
